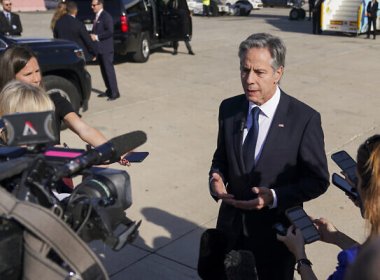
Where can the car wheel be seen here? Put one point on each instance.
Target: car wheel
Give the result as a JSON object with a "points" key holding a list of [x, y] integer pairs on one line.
{"points": [[302, 14], [66, 88], [142, 54], [294, 14], [246, 13]]}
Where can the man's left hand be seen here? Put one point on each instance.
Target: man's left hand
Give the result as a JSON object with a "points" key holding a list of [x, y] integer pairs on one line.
{"points": [[264, 198]]}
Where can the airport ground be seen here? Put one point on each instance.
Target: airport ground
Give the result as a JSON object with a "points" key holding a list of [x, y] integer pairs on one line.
{"points": [[175, 100]]}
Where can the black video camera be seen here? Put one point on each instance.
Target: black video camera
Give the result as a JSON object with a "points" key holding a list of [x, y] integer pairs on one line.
{"points": [[32, 170]]}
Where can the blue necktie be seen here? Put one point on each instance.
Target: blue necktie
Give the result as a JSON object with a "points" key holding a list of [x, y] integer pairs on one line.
{"points": [[249, 145]]}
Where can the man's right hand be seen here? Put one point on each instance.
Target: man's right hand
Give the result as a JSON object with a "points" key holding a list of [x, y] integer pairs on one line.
{"points": [[218, 188]]}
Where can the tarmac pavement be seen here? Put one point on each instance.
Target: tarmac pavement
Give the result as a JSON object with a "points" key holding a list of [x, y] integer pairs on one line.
{"points": [[175, 100]]}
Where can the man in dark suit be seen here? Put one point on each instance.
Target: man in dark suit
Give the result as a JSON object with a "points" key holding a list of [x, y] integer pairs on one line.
{"points": [[69, 28], [102, 35], [180, 7], [317, 16], [10, 23], [372, 8], [270, 156]]}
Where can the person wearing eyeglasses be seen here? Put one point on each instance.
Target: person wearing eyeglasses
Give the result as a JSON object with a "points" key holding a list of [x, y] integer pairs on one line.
{"points": [[102, 35], [368, 186], [10, 23]]}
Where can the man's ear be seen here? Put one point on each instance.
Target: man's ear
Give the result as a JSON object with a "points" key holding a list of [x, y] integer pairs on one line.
{"points": [[278, 74]]}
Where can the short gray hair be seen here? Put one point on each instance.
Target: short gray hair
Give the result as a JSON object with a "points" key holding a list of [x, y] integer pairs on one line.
{"points": [[275, 46]]}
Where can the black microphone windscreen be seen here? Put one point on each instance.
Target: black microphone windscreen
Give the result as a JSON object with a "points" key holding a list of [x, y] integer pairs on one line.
{"points": [[127, 142]]}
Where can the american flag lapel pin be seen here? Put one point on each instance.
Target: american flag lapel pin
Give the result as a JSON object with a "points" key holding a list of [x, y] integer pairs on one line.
{"points": [[281, 125]]}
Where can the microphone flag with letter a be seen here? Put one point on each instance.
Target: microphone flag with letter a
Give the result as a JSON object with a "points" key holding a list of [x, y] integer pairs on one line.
{"points": [[29, 129]]}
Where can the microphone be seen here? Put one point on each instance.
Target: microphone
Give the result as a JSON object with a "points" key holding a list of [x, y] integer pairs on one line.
{"points": [[242, 125], [110, 151]]}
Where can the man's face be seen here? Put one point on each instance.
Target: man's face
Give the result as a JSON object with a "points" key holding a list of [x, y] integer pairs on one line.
{"points": [[257, 76], [96, 7], [7, 5], [31, 73]]}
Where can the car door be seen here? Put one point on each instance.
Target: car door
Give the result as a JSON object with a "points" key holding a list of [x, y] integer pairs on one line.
{"points": [[176, 21]]}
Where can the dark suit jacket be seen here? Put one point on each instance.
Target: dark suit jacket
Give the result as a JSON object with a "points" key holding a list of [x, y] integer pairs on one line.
{"points": [[6, 28], [70, 28], [372, 9], [292, 162], [104, 29]]}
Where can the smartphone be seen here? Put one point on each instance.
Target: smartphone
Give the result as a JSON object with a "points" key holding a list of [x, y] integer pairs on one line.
{"points": [[280, 229], [342, 184], [347, 164], [298, 217], [136, 156]]}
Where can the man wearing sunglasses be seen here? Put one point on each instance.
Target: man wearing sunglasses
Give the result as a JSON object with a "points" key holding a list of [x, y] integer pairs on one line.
{"points": [[102, 35], [10, 23]]}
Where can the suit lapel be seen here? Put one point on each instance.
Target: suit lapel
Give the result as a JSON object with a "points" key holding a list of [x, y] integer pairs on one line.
{"points": [[239, 124], [278, 123]]}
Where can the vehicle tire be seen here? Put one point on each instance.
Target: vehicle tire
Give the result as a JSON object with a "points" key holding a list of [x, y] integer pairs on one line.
{"points": [[302, 14], [294, 14], [66, 88], [245, 12], [142, 54]]}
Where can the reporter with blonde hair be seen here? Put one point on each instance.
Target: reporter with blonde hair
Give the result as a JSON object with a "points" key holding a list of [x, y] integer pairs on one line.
{"points": [[20, 97]]}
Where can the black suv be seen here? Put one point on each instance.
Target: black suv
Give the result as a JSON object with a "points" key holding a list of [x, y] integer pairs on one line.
{"points": [[140, 25], [62, 65]]}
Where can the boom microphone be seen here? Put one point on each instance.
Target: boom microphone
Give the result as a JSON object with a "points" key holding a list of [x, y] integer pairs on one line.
{"points": [[110, 151]]}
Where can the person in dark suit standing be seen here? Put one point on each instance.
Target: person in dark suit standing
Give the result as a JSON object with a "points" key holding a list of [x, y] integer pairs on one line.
{"points": [[10, 23], [270, 156], [102, 35], [317, 16], [311, 8], [70, 28], [181, 7], [372, 8]]}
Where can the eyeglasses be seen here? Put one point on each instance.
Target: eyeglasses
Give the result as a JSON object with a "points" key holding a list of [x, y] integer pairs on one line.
{"points": [[9, 4], [93, 5]]}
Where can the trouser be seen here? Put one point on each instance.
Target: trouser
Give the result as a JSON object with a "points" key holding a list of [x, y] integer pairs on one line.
{"points": [[206, 10], [187, 43], [371, 21], [317, 22], [108, 73]]}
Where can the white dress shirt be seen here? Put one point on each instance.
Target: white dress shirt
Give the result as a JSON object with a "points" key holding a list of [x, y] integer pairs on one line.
{"points": [[267, 111]]}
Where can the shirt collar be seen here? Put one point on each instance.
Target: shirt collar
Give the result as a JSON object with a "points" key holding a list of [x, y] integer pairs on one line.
{"points": [[98, 13], [269, 107]]}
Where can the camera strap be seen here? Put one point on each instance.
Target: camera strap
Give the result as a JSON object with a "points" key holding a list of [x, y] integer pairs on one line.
{"points": [[45, 231]]}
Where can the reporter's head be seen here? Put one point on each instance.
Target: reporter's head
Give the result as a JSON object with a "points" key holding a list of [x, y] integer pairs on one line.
{"points": [[20, 97], [19, 62], [368, 169]]}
